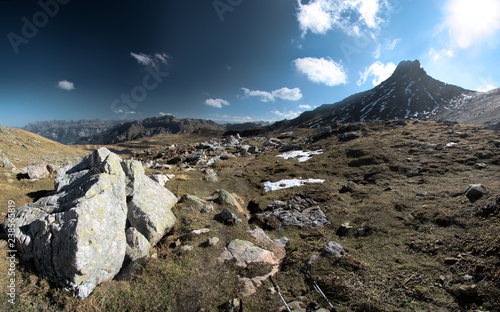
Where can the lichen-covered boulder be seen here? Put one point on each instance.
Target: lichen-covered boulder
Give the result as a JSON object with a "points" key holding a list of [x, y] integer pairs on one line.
{"points": [[76, 235]]}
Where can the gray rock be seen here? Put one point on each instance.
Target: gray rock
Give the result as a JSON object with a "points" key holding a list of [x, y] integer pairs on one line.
{"points": [[310, 217], [253, 149], [6, 163], [37, 170], [332, 249], [227, 217], [422, 194], [245, 253], [413, 173], [212, 241], [231, 142], [207, 208], [52, 168], [349, 136], [475, 191], [213, 160], [349, 187], [197, 158], [184, 249], [224, 197], [210, 178], [480, 166], [75, 236], [193, 201], [161, 179]]}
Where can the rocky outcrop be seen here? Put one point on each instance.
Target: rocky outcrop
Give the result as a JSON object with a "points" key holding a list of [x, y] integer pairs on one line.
{"points": [[104, 210]]}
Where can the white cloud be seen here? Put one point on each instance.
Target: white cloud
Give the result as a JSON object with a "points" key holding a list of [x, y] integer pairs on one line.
{"points": [[232, 119], [283, 93], [216, 102], [325, 71], [380, 71], [165, 114], [305, 106], [435, 55], [388, 46], [287, 115], [151, 60], [350, 16], [472, 21], [486, 88], [65, 85]]}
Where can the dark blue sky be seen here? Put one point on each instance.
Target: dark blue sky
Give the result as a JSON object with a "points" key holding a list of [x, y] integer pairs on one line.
{"points": [[228, 60]]}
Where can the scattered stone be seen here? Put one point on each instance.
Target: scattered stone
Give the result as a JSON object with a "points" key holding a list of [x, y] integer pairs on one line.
{"points": [[6, 163], [52, 168], [253, 150], [184, 249], [37, 170], [480, 166], [475, 191], [348, 187], [225, 197], [361, 232], [348, 136], [234, 305], [213, 160], [161, 179], [207, 208], [212, 241], [450, 260], [413, 173], [245, 253], [332, 249], [310, 217], [227, 217], [210, 178], [422, 194], [200, 231], [193, 201], [344, 228], [231, 142]]}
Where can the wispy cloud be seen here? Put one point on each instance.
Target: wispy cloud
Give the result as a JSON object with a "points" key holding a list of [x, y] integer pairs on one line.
{"points": [[435, 55], [287, 115], [283, 93], [164, 114], [387, 46], [228, 118], [216, 102], [305, 106], [378, 70], [350, 16], [325, 71], [65, 85], [153, 60], [470, 22]]}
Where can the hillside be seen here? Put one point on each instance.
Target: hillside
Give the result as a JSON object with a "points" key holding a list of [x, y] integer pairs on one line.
{"points": [[393, 196]]}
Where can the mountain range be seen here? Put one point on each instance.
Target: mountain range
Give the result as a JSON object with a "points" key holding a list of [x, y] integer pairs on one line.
{"points": [[409, 93]]}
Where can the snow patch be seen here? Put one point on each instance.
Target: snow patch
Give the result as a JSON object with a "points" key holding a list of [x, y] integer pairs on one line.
{"points": [[287, 183], [303, 156]]}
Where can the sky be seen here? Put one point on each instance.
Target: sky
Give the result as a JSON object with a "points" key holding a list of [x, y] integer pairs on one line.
{"points": [[229, 60]]}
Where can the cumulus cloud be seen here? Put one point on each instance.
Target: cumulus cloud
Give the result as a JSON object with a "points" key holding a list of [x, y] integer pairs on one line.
{"points": [[472, 21], [325, 71], [349, 16], [151, 60], [287, 115], [216, 102], [65, 85], [283, 93], [378, 70]]}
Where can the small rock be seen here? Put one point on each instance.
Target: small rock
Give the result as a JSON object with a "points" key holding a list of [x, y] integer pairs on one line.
{"points": [[344, 228], [212, 241], [161, 179], [200, 231], [450, 260], [7, 163], [184, 249], [475, 191], [193, 201], [332, 249], [227, 217], [207, 208], [413, 173], [348, 187], [480, 166], [349, 136], [210, 178], [422, 194]]}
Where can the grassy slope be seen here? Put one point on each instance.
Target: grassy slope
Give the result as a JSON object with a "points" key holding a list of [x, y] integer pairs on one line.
{"points": [[399, 266]]}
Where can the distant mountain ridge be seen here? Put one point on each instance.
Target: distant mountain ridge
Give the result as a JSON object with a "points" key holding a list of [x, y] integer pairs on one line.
{"points": [[409, 93], [68, 132]]}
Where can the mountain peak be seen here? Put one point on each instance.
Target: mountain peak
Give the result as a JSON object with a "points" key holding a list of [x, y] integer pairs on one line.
{"points": [[412, 68]]}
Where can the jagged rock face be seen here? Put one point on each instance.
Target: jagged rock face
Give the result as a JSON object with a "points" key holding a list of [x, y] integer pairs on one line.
{"points": [[76, 236], [68, 132]]}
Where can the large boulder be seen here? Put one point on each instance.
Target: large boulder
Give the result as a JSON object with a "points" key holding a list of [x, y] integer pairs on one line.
{"points": [[38, 170], [76, 236]]}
